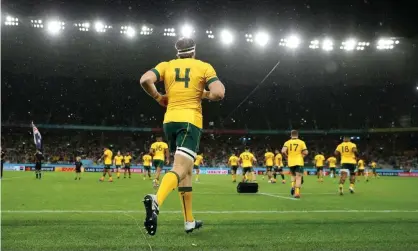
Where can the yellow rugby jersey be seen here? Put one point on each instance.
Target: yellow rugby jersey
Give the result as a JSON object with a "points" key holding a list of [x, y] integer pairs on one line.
{"points": [[319, 160], [159, 150], [247, 159], [346, 150], [332, 161], [146, 160], [199, 160], [127, 159], [269, 158], [108, 157], [278, 160], [360, 164], [118, 160], [295, 147], [233, 160], [184, 82], [373, 164]]}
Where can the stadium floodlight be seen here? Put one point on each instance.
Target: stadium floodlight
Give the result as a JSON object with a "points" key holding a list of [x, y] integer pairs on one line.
{"points": [[99, 26], [262, 38], [327, 45], [54, 27], [36, 23], [349, 45], [83, 26], [11, 21], [187, 31], [314, 45], [128, 31], [146, 30], [169, 32], [226, 37], [294, 41], [386, 44], [249, 38], [210, 34]]}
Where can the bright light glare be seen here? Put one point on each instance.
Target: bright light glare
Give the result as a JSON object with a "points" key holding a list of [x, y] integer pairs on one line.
{"points": [[327, 45], [349, 45], [314, 44], [54, 27], [293, 41], [130, 32], [262, 38], [187, 31], [227, 37], [99, 26], [11, 21], [386, 44]]}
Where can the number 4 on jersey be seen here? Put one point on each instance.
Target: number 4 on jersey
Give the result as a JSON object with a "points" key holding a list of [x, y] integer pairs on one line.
{"points": [[186, 78]]}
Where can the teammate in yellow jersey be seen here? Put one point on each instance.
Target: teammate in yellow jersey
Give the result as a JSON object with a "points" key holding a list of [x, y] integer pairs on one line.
{"points": [[373, 165], [332, 165], [247, 160], [107, 157], [347, 150], [146, 162], [269, 162], [117, 162], [197, 163], [127, 164], [278, 162], [159, 150], [184, 79], [233, 164], [295, 150], [319, 161], [360, 169]]}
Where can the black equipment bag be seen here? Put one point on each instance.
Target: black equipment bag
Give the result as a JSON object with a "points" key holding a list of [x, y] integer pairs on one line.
{"points": [[247, 187]]}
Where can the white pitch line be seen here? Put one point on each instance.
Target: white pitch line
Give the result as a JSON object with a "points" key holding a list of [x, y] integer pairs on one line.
{"points": [[9, 178], [209, 193], [206, 212], [278, 196]]}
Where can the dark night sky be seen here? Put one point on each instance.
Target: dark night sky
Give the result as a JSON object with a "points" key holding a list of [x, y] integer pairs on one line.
{"points": [[369, 18]]}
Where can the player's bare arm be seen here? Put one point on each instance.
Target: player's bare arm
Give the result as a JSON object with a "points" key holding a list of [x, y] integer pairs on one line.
{"points": [[167, 157], [147, 82], [103, 156], [216, 91], [305, 152], [284, 150]]}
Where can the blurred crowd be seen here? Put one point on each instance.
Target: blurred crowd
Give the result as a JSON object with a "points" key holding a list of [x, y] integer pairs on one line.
{"points": [[62, 146]]}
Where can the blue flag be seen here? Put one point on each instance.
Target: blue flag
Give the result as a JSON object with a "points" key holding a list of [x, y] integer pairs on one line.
{"points": [[37, 138]]}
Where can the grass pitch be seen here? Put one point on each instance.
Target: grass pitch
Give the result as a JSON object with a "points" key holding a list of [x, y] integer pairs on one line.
{"points": [[59, 213]]}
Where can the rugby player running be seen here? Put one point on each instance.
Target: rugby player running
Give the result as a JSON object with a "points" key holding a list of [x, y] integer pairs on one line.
{"points": [[347, 150], [295, 150], [185, 79]]}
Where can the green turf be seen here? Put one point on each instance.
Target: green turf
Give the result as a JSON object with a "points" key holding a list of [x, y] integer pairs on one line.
{"points": [[252, 228]]}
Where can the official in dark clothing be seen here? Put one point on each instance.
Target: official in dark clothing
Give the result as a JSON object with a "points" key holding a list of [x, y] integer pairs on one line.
{"points": [[3, 154], [38, 164]]}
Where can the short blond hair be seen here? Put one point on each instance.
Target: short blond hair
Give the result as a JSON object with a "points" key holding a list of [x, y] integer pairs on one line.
{"points": [[78, 158]]}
